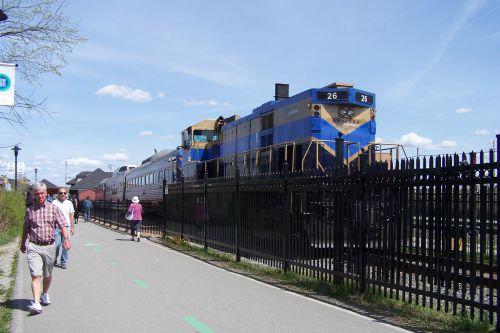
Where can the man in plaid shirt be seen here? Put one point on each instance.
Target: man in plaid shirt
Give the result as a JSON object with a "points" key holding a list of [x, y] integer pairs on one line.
{"points": [[40, 222]]}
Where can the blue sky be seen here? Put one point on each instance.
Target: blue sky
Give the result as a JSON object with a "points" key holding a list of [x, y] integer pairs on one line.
{"points": [[152, 68]]}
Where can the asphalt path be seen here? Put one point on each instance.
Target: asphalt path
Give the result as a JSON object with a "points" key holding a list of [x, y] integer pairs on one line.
{"points": [[115, 285]]}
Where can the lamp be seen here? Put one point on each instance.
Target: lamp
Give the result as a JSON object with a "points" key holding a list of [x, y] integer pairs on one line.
{"points": [[16, 150]]}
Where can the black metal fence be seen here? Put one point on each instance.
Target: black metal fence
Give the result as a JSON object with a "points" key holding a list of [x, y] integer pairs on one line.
{"points": [[424, 230]]}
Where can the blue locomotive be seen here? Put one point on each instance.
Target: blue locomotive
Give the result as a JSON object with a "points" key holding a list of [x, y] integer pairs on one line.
{"points": [[300, 130]]}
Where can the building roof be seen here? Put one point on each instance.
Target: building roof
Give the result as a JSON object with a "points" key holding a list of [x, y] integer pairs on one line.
{"points": [[49, 184], [78, 177], [91, 181]]}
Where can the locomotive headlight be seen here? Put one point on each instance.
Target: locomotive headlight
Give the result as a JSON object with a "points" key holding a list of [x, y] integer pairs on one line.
{"points": [[350, 113], [316, 109]]}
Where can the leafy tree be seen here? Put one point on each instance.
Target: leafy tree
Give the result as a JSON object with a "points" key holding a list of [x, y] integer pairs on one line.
{"points": [[37, 36]]}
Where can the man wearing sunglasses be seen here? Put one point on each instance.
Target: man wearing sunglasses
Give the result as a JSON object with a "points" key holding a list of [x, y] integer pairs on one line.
{"points": [[68, 211]]}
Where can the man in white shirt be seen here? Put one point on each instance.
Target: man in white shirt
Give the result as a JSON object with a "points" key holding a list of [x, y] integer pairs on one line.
{"points": [[68, 211]]}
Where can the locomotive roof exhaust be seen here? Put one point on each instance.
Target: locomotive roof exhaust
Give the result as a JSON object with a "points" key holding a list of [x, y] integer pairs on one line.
{"points": [[280, 91]]}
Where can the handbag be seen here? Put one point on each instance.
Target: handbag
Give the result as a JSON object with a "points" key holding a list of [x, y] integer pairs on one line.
{"points": [[129, 215]]}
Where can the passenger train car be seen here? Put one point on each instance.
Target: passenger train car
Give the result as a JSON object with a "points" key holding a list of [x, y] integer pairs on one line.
{"points": [[146, 181], [300, 130], [114, 186]]}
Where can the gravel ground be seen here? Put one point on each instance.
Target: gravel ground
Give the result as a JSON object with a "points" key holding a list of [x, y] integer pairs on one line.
{"points": [[7, 254]]}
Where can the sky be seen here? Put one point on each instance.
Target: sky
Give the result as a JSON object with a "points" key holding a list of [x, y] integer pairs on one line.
{"points": [[150, 69]]}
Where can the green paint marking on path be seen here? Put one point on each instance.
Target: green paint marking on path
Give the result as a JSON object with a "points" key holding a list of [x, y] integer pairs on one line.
{"points": [[198, 325], [96, 249], [114, 263], [141, 284]]}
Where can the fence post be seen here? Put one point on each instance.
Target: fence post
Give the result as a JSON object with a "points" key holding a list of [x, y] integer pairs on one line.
{"points": [[286, 220], [182, 207], [364, 222], [497, 227], [237, 213], [339, 154], [164, 208], [205, 219], [338, 245]]}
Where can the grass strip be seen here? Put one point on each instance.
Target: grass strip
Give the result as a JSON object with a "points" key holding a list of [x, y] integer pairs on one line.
{"points": [[404, 314]]}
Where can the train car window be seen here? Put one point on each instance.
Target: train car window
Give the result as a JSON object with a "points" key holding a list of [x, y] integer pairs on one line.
{"points": [[123, 168]]}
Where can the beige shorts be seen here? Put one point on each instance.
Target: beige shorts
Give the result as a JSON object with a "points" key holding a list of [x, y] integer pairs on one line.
{"points": [[41, 259]]}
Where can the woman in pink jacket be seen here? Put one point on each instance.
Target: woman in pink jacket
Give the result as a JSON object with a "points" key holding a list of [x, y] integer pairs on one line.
{"points": [[135, 224]]}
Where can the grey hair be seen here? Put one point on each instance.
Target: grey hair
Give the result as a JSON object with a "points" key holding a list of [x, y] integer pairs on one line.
{"points": [[40, 186]]}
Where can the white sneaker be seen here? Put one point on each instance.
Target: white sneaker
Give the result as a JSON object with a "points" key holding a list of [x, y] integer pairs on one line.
{"points": [[35, 308], [45, 299]]}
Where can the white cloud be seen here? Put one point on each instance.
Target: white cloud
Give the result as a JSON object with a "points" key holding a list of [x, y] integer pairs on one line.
{"points": [[414, 140], [146, 133], [463, 110], [446, 144], [115, 157], [161, 94], [84, 161], [379, 140], [482, 132], [41, 159], [210, 102], [116, 91]]}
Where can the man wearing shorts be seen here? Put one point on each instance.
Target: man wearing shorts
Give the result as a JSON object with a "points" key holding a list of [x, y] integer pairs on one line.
{"points": [[40, 221]]}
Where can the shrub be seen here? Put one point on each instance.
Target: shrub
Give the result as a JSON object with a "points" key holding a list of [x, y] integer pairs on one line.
{"points": [[12, 209]]}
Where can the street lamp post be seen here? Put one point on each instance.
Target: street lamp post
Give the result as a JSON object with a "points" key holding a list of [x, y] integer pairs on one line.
{"points": [[16, 150]]}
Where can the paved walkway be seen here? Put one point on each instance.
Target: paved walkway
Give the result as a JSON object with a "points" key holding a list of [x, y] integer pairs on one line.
{"points": [[115, 285]]}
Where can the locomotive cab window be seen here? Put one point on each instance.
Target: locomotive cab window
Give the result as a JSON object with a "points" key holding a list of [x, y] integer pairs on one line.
{"points": [[204, 135], [186, 139]]}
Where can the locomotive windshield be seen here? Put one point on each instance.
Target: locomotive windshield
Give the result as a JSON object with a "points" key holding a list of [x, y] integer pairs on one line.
{"points": [[204, 135]]}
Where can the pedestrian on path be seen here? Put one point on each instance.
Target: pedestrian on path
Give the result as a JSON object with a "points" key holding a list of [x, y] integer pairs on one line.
{"points": [[68, 210], [74, 201], [40, 221], [135, 209], [87, 207]]}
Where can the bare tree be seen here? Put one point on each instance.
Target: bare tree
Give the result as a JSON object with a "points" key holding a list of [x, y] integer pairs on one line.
{"points": [[37, 36]]}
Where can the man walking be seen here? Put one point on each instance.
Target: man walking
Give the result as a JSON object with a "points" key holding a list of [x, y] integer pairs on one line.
{"points": [[68, 211], [40, 221], [87, 206]]}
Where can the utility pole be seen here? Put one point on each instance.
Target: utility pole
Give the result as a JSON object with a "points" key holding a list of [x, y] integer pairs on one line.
{"points": [[65, 172], [36, 173]]}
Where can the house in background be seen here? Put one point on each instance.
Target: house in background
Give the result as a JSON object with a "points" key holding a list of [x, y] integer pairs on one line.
{"points": [[78, 178], [51, 187], [89, 185]]}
